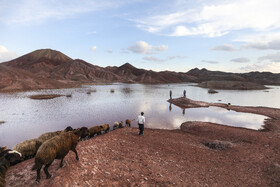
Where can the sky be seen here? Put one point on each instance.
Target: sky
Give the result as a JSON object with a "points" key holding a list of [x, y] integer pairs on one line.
{"points": [[174, 35]]}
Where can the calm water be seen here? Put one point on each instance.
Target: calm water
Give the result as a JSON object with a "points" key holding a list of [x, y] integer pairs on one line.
{"points": [[26, 118]]}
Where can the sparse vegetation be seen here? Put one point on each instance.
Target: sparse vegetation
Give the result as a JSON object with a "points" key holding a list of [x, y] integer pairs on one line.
{"points": [[212, 91], [219, 145], [127, 90], [112, 90], [1, 122], [90, 91]]}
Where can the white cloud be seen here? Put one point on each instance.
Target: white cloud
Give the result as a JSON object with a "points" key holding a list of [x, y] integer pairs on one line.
{"points": [[271, 57], [33, 11], [270, 67], [240, 60], [177, 57], [216, 18], [93, 49], [154, 59], [110, 51], [210, 61], [142, 47], [264, 41], [225, 47], [6, 55], [161, 48], [275, 45]]}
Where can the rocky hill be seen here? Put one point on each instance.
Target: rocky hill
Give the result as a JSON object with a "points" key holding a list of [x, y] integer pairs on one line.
{"points": [[15, 79], [264, 78], [231, 85], [47, 68]]}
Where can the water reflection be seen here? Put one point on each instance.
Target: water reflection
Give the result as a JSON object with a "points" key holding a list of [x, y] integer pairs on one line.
{"points": [[26, 118]]}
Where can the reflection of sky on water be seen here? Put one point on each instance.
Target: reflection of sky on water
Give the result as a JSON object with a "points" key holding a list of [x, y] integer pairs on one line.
{"points": [[26, 118]]}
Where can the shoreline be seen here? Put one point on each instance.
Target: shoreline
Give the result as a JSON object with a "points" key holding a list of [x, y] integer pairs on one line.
{"points": [[163, 158], [79, 85], [198, 154], [269, 125]]}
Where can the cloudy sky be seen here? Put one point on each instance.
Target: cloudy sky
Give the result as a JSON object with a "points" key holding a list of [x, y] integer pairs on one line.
{"points": [[176, 35]]}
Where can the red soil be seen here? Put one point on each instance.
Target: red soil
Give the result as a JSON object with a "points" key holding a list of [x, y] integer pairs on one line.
{"points": [[168, 157]]}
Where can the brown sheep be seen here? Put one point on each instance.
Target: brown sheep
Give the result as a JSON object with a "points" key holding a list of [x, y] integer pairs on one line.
{"points": [[95, 130], [127, 122], [7, 157], [2, 149], [69, 128], [105, 127], [116, 125], [48, 135], [121, 124], [55, 148], [28, 148], [84, 132]]}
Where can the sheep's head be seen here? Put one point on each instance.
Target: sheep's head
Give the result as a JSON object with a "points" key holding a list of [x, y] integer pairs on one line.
{"points": [[12, 156], [82, 132], [69, 128]]}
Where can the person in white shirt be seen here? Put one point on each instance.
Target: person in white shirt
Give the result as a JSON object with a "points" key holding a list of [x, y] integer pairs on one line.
{"points": [[141, 122]]}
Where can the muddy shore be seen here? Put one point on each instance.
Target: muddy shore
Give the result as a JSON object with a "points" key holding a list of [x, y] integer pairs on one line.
{"points": [[170, 157]]}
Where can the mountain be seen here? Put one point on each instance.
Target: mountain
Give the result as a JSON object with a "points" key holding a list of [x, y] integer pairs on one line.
{"points": [[14, 79], [131, 74], [38, 59], [264, 78], [81, 71], [47, 68]]}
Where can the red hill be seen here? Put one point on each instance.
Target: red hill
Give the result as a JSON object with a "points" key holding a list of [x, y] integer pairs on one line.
{"points": [[47, 68]]}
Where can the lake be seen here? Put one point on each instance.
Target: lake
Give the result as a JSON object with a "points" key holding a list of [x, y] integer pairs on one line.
{"points": [[26, 118]]}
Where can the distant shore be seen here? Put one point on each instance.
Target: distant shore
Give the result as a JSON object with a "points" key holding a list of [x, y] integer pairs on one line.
{"points": [[273, 113], [219, 85], [231, 85]]}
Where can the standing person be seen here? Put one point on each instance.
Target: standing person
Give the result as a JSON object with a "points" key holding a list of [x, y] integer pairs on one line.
{"points": [[184, 93], [170, 94], [141, 122]]}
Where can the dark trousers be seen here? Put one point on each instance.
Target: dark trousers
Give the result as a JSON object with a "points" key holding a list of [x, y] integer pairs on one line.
{"points": [[141, 128]]}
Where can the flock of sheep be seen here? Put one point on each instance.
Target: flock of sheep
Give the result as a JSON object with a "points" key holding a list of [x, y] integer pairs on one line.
{"points": [[49, 146]]}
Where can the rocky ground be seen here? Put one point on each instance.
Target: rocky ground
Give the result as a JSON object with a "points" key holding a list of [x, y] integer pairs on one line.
{"points": [[186, 157]]}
